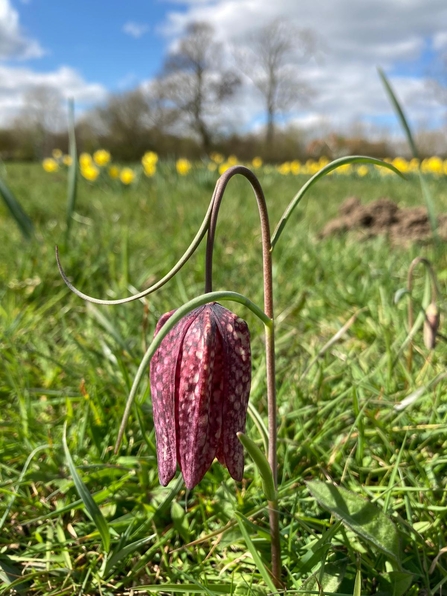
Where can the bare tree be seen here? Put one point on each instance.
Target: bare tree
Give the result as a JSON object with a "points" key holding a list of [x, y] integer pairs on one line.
{"points": [[41, 117], [123, 123], [194, 83], [270, 60]]}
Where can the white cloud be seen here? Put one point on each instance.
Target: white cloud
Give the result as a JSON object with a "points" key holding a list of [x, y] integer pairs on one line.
{"points": [[355, 38], [13, 43], [440, 41], [15, 83], [135, 30]]}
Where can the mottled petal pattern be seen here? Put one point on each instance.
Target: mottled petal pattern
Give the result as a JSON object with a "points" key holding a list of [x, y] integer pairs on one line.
{"points": [[162, 377], [200, 383], [237, 375]]}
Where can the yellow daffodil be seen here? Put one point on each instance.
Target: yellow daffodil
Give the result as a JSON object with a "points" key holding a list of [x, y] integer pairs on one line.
{"points": [[345, 169], [401, 164], [232, 160], [114, 172], [257, 162], [149, 169], [101, 157], [217, 158], [224, 167], [66, 160], [90, 172], [50, 165], [56, 153], [362, 170], [295, 167], [127, 176], [150, 158], [312, 166], [182, 166], [212, 167], [433, 165], [284, 168], [85, 159]]}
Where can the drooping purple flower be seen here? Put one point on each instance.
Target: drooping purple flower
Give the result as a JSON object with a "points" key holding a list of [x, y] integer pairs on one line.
{"points": [[200, 383]]}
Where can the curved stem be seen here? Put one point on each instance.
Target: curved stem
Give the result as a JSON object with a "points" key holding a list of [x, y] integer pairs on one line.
{"points": [[434, 295], [323, 172], [269, 332], [170, 324], [187, 255]]}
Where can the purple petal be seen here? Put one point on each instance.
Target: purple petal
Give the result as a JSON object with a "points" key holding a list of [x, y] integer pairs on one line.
{"points": [[162, 378], [199, 396], [237, 376]]}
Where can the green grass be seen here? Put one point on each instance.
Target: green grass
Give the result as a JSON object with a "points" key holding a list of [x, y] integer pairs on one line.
{"points": [[63, 362]]}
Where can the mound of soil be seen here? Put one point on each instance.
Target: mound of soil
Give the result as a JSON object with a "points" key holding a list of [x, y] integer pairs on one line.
{"points": [[383, 216]]}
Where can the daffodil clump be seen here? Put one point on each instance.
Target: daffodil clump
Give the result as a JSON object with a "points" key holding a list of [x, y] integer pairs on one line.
{"points": [[92, 167], [57, 159], [99, 164]]}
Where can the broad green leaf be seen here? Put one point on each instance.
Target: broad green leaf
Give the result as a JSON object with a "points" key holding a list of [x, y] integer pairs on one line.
{"points": [[254, 553], [90, 505], [400, 581], [364, 518], [180, 521], [324, 581], [21, 218], [262, 464]]}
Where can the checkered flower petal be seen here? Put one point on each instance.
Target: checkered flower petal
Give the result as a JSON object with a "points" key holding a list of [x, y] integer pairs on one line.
{"points": [[200, 383]]}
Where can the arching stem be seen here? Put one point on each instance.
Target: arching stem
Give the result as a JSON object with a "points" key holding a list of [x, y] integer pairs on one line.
{"points": [[269, 333]]}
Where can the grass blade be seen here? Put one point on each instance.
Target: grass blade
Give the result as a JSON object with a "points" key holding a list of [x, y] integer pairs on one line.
{"points": [[254, 553], [127, 550], [400, 114], [21, 218], [72, 170], [406, 127], [90, 505]]}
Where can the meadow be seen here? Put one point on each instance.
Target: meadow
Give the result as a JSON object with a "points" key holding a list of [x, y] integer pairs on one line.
{"points": [[64, 361]]}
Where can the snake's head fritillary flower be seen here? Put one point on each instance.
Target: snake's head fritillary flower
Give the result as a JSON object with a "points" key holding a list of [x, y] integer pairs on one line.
{"points": [[200, 383]]}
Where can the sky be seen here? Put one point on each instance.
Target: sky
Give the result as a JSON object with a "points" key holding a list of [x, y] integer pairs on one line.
{"points": [[88, 49]]}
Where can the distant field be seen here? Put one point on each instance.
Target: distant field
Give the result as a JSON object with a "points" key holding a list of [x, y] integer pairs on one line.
{"points": [[63, 361]]}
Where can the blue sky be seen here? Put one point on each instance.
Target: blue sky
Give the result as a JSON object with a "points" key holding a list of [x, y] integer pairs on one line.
{"points": [[88, 49], [90, 36]]}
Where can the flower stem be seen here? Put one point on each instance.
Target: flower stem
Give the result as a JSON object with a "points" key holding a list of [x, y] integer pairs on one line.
{"points": [[269, 333]]}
